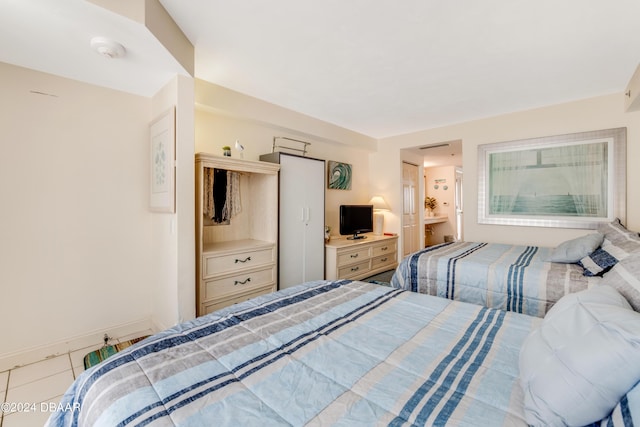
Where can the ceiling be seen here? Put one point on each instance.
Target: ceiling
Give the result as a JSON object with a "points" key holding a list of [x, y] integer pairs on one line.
{"points": [[54, 36], [378, 67], [384, 67]]}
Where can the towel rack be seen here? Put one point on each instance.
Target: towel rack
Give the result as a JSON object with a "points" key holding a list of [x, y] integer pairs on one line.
{"points": [[303, 150]]}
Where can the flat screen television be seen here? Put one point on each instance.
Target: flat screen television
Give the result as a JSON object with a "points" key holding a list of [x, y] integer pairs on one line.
{"points": [[356, 219]]}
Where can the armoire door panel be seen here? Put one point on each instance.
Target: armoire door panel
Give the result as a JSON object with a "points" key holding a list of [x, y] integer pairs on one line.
{"points": [[314, 227]]}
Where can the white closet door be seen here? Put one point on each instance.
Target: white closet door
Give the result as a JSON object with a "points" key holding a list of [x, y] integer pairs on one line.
{"points": [[301, 220], [314, 228]]}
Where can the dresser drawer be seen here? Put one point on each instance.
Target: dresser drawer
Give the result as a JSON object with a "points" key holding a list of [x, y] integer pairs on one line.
{"points": [[240, 282], [383, 249], [353, 270], [212, 306], [383, 260], [353, 257], [215, 264]]}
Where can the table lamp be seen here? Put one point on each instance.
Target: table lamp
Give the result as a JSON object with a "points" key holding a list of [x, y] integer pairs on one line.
{"points": [[379, 207]]}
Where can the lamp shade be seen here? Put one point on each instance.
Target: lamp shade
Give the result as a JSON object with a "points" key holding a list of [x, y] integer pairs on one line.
{"points": [[379, 204]]}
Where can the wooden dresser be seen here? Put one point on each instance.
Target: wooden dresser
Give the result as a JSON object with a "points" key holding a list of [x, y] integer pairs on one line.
{"points": [[358, 259]]}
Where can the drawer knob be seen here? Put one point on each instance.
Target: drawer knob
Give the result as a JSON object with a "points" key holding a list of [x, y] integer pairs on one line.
{"points": [[384, 249], [238, 282], [384, 259], [354, 255], [243, 260], [355, 268]]}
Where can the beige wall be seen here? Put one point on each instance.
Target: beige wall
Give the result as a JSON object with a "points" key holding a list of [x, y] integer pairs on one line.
{"points": [[81, 253], [225, 116], [590, 114], [75, 234], [185, 177], [173, 247], [386, 180]]}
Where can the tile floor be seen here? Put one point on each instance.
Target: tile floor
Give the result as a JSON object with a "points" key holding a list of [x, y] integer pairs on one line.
{"points": [[41, 384]]}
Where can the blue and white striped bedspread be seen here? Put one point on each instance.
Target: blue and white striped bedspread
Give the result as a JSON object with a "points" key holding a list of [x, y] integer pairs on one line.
{"points": [[509, 277], [322, 353]]}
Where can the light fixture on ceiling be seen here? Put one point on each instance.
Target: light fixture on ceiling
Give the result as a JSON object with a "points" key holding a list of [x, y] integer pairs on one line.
{"points": [[107, 47]]}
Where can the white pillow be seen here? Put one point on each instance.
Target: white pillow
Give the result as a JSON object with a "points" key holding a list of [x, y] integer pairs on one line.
{"points": [[581, 360], [574, 250]]}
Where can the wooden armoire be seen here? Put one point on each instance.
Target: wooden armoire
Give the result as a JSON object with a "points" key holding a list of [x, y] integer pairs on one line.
{"points": [[301, 218], [237, 259]]}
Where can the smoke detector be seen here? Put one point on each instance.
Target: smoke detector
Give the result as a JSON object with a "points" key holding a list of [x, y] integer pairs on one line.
{"points": [[107, 47]]}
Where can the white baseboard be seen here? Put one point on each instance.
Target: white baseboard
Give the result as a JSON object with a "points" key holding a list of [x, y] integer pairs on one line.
{"points": [[34, 354]]}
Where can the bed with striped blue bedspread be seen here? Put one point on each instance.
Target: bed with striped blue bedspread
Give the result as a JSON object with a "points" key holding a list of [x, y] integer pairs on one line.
{"points": [[322, 353], [509, 277]]}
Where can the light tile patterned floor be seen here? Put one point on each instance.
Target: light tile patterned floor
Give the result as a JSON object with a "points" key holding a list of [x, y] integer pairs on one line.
{"points": [[29, 389], [39, 385]]}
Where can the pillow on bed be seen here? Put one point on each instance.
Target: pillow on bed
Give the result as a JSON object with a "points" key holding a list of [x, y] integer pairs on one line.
{"points": [[618, 244], [625, 277], [618, 239], [598, 263], [574, 250], [584, 357]]}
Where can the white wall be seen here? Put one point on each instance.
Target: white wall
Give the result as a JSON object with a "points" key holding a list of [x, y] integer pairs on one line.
{"points": [[226, 116], [173, 247], [75, 234], [603, 112], [185, 174]]}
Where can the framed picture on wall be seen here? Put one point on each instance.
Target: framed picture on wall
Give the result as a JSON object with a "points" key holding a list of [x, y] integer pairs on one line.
{"points": [[339, 175], [162, 149], [571, 181]]}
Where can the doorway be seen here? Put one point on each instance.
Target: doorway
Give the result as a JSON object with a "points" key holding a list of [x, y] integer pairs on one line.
{"points": [[443, 180]]}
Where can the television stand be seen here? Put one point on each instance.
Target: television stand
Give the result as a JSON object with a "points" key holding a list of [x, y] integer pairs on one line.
{"points": [[359, 259], [356, 236]]}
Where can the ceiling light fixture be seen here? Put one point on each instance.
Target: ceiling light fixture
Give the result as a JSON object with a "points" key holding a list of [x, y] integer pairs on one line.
{"points": [[107, 47]]}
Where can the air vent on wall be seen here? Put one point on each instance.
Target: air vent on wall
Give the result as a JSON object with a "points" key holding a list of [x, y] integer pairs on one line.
{"points": [[435, 146]]}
